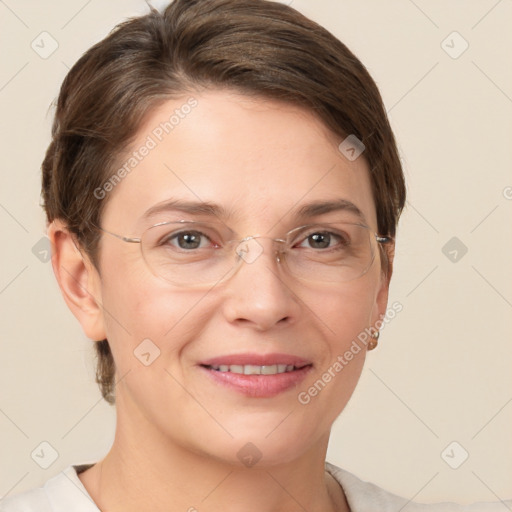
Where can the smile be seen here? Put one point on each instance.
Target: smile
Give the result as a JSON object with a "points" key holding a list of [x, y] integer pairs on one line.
{"points": [[251, 369], [257, 375]]}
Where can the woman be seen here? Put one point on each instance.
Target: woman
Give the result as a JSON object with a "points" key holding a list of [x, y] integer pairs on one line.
{"points": [[222, 192]]}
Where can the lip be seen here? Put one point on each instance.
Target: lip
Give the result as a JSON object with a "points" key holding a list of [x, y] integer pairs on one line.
{"points": [[258, 386]]}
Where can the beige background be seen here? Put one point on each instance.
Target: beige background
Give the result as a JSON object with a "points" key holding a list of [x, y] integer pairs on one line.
{"points": [[442, 370]]}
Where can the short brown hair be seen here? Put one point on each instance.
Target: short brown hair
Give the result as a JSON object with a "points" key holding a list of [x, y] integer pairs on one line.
{"points": [[257, 47]]}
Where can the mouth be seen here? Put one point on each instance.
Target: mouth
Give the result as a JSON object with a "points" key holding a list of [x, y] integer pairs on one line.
{"points": [[251, 369], [257, 376]]}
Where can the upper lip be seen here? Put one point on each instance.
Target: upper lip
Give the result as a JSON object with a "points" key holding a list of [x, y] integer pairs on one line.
{"points": [[256, 360]]}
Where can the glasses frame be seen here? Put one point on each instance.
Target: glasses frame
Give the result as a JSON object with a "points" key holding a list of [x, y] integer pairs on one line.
{"points": [[380, 239]]}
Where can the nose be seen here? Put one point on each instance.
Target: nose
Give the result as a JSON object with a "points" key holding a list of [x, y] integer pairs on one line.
{"points": [[259, 294]]}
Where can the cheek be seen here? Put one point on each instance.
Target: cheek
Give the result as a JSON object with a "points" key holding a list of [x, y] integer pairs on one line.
{"points": [[139, 307], [133, 311], [345, 311], [343, 314]]}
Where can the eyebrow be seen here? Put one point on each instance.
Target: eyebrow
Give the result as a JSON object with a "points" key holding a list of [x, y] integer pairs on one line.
{"points": [[316, 208], [313, 209], [190, 207]]}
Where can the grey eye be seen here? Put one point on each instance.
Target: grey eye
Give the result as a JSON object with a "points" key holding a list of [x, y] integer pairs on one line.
{"points": [[321, 240], [187, 240]]}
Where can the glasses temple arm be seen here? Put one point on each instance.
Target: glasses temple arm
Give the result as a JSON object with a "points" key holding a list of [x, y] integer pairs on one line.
{"points": [[123, 238]]}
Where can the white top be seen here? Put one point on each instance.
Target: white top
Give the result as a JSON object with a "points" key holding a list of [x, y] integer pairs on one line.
{"points": [[66, 493]]}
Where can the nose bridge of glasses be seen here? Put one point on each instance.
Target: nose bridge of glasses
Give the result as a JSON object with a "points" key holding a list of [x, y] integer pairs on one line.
{"points": [[249, 248]]}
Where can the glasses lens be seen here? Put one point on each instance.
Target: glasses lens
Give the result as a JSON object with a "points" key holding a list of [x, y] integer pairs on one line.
{"points": [[200, 253], [189, 253], [335, 252]]}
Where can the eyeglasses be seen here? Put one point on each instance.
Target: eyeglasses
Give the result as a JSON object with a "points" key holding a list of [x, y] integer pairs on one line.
{"points": [[191, 253]]}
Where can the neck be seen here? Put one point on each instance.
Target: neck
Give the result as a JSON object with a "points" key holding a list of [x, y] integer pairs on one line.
{"points": [[142, 471]]}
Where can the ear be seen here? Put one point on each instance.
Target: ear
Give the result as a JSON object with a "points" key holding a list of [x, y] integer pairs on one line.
{"points": [[387, 255], [78, 280]]}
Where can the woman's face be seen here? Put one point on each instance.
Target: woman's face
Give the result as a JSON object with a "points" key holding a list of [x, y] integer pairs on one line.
{"points": [[260, 162]]}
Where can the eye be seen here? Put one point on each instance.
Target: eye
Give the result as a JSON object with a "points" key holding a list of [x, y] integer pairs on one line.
{"points": [[323, 240], [188, 240]]}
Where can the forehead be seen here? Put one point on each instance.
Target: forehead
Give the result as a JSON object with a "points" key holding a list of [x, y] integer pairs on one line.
{"points": [[261, 161]]}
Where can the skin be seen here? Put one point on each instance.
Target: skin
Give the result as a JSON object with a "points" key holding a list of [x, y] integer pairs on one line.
{"points": [[177, 433]]}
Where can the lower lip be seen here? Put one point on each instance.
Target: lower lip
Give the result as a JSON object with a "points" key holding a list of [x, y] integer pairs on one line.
{"points": [[259, 386]]}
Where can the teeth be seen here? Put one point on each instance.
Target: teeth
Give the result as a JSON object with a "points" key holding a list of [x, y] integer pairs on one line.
{"points": [[269, 370], [251, 369]]}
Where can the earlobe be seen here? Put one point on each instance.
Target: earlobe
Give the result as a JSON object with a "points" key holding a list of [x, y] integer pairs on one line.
{"points": [[78, 280]]}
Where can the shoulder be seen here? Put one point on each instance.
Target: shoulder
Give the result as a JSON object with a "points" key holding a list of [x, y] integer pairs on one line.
{"points": [[28, 501], [62, 493], [367, 497]]}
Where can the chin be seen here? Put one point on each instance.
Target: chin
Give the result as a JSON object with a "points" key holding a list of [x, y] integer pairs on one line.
{"points": [[264, 446]]}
